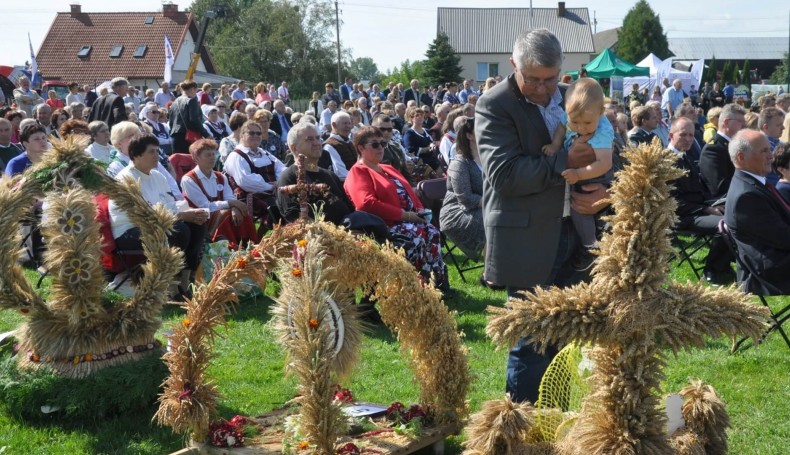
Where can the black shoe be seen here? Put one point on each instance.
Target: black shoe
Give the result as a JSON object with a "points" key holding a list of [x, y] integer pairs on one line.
{"points": [[583, 260], [489, 284], [718, 278]]}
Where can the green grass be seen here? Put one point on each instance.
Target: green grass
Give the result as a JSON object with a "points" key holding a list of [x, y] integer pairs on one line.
{"points": [[249, 371]]}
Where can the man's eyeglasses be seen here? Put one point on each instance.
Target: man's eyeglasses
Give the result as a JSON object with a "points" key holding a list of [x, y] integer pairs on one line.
{"points": [[376, 145], [385, 129], [254, 133], [535, 82]]}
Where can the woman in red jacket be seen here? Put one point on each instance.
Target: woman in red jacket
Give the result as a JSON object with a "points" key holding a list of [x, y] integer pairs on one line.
{"points": [[381, 190]]}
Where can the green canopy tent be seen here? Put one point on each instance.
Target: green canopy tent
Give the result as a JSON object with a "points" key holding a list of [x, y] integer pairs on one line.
{"points": [[608, 64]]}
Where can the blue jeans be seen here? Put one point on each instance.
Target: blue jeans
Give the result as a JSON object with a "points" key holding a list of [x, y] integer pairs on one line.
{"points": [[525, 366]]}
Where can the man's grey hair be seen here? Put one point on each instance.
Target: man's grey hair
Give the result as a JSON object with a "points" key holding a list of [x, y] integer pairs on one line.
{"points": [[730, 111], [653, 104], [293, 133], [740, 144], [539, 48], [119, 82], [339, 115]]}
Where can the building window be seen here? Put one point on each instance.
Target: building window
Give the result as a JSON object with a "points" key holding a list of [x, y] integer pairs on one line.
{"points": [[149, 20], [486, 70], [84, 52], [116, 51], [140, 51]]}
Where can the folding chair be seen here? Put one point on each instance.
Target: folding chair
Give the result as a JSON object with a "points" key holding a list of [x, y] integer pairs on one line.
{"points": [[432, 192], [688, 244], [777, 318]]}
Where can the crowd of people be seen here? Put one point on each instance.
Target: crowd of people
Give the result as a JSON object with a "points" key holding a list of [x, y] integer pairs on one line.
{"points": [[370, 147], [526, 159]]}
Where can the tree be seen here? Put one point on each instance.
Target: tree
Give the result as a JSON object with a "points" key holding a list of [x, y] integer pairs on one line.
{"points": [[273, 40], [441, 64], [641, 34], [712, 74], [405, 73], [364, 68], [782, 72], [746, 74], [726, 71]]}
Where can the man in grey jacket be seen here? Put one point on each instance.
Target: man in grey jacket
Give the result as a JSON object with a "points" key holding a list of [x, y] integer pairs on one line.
{"points": [[528, 243]]}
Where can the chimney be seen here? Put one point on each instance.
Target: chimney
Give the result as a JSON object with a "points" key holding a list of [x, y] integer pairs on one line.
{"points": [[561, 9], [170, 10], [76, 10]]}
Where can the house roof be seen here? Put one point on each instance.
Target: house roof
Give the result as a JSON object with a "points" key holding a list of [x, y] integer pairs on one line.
{"points": [[728, 48], [57, 58], [605, 39], [494, 30]]}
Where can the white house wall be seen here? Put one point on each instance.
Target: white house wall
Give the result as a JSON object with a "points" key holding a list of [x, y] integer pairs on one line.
{"points": [[469, 63], [183, 56]]}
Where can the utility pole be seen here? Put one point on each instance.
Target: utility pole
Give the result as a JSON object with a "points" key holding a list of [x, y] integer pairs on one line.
{"points": [[529, 22], [337, 26], [595, 23]]}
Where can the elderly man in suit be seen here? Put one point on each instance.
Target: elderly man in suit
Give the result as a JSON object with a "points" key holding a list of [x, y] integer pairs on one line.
{"points": [[757, 216], [281, 121], [528, 244], [412, 93], [694, 212], [110, 108], [715, 165]]}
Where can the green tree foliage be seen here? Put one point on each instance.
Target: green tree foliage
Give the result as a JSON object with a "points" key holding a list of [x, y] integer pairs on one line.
{"points": [[726, 72], [364, 69], [405, 73], [641, 34], [746, 74], [712, 68], [780, 75], [273, 40], [442, 63]]}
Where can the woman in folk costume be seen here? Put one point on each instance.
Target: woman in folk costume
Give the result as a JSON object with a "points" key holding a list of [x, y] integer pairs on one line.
{"points": [[151, 116], [208, 189], [213, 125]]}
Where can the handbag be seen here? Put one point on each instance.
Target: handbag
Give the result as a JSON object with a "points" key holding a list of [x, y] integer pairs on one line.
{"points": [[192, 136]]}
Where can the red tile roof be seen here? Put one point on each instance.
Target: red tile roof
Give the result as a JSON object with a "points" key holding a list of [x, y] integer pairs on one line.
{"points": [[57, 57]]}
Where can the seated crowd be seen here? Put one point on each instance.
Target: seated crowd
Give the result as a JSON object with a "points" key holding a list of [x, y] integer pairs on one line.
{"points": [[217, 159]]}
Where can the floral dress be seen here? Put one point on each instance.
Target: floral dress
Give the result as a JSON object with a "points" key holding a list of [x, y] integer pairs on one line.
{"points": [[423, 241]]}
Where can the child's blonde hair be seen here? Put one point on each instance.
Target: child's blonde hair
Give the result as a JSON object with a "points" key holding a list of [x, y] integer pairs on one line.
{"points": [[584, 94]]}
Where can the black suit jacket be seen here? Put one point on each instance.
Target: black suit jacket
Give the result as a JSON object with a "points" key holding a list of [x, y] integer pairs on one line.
{"points": [[688, 190], [715, 167], [275, 124], [641, 136], [409, 95], [760, 225], [185, 115], [110, 109]]}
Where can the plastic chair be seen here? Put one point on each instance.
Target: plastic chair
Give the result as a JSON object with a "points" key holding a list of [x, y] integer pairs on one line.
{"points": [[777, 318]]}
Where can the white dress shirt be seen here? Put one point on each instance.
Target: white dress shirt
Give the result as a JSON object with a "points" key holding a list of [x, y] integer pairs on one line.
{"points": [[237, 167], [193, 192], [116, 166], [338, 167], [155, 190]]}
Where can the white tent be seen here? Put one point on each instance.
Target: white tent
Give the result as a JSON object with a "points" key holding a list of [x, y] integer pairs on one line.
{"points": [[663, 69]]}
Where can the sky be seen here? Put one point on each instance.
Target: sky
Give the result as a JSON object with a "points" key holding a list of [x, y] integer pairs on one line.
{"points": [[391, 32]]}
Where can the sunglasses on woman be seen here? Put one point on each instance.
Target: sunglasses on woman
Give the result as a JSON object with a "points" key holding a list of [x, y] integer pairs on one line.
{"points": [[376, 145]]}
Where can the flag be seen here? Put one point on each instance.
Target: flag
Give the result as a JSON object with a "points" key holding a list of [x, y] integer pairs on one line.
{"points": [[169, 60], [33, 64]]}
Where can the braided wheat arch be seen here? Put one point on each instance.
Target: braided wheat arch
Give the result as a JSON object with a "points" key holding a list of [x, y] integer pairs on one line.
{"points": [[317, 261], [73, 332]]}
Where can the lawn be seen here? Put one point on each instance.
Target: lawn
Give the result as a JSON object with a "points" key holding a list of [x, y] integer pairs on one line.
{"points": [[249, 371]]}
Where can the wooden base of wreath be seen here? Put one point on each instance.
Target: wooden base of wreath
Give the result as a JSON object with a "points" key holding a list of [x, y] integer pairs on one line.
{"points": [[387, 443]]}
